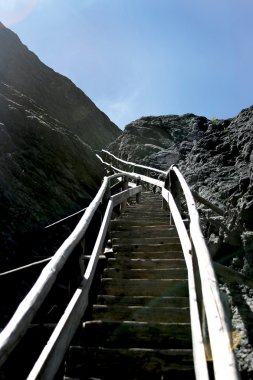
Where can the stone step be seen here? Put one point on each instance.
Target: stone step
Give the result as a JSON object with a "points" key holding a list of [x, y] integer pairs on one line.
{"points": [[139, 222], [143, 301], [137, 213], [141, 313], [102, 363], [146, 221], [146, 240], [144, 287], [150, 205], [136, 334], [149, 253], [145, 273], [147, 247], [143, 263], [150, 196], [144, 231], [145, 209], [149, 200], [144, 213]]}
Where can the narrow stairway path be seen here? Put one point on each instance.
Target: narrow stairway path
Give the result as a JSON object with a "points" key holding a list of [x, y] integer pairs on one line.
{"points": [[140, 324]]}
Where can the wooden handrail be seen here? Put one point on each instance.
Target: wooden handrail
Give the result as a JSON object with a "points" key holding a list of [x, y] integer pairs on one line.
{"points": [[200, 364], [223, 356], [133, 164], [144, 178], [198, 197], [19, 323], [50, 358]]}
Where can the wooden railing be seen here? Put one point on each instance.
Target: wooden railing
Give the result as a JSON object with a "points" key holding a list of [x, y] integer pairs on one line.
{"points": [[197, 260], [205, 302]]}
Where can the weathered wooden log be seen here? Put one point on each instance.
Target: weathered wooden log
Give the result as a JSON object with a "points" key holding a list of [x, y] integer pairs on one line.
{"points": [[53, 353], [27, 309], [200, 365], [223, 358], [133, 164]]}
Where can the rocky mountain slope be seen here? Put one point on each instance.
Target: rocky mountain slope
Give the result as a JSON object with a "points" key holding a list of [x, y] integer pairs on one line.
{"points": [[48, 130], [46, 171], [61, 99], [216, 158]]}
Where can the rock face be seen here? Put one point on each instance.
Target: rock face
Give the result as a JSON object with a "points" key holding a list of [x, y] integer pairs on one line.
{"points": [[46, 171], [48, 128], [60, 98], [155, 141], [216, 158]]}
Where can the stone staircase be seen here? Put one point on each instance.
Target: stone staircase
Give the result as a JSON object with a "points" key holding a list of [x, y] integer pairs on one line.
{"points": [[139, 327]]}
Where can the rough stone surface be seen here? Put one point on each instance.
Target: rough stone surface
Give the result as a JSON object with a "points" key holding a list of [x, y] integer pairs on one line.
{"points": [[46, 171], [216, 158]]}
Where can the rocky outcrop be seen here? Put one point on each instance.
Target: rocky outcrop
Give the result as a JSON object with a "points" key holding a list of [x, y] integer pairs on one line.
{"points": [[216, 157], [61, 99], [158, 141]]}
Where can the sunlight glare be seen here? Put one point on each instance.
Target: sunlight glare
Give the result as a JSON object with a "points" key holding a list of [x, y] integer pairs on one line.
{"points": [[14, 11]]}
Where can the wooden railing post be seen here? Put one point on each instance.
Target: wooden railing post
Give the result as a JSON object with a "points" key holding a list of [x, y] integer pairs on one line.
{"points": [[138, 196], [105, 200], [167, 187], [124, 187], [176, 190]]}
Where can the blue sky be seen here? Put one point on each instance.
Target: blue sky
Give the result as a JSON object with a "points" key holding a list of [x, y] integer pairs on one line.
{"points": [[136, 58]]}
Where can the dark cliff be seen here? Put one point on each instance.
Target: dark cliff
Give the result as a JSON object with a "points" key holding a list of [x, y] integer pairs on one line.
{"points": [[61, 99], [48, 130], [46, 171]]}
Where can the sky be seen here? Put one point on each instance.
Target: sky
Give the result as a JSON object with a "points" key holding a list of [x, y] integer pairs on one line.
{"points": [[137, 58]]}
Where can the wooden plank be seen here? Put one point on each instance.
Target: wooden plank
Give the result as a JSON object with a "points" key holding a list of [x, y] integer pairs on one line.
{"points": [[53, 353]]}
